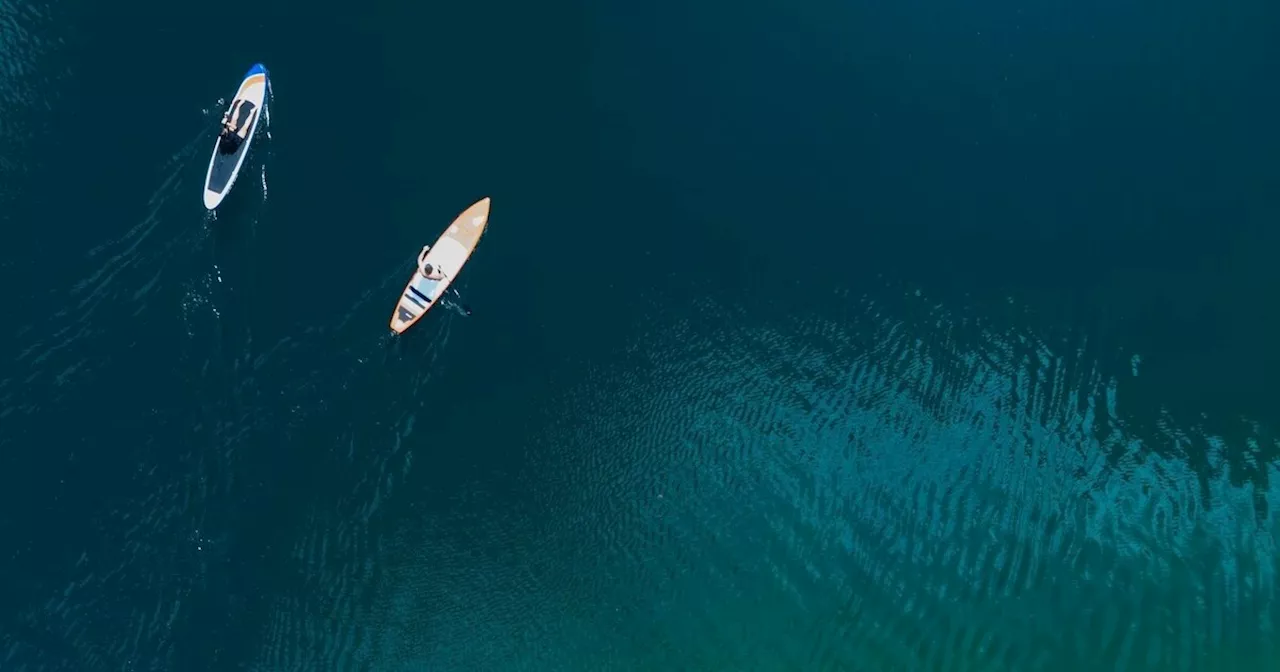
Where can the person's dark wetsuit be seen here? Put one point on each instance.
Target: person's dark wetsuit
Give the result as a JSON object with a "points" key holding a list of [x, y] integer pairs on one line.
{"points": [[229, 141]]}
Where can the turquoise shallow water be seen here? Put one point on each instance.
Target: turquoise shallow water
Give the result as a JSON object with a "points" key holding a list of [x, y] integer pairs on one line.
{"points": [[804, 337]]}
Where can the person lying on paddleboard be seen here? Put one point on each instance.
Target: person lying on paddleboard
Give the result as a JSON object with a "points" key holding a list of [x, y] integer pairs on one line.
{"points": [[427, 270], [232, 122]]}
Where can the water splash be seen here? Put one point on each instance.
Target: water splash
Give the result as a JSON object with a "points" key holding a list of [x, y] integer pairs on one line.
{"points": [[216, 108], [271, 99]]}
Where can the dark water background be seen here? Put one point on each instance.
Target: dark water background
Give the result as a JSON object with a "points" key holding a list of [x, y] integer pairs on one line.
{"points": [[806, 336]]}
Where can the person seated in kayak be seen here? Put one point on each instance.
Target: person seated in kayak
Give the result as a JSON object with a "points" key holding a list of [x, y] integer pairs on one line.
{"points": [[234, 128], [427, 270]]}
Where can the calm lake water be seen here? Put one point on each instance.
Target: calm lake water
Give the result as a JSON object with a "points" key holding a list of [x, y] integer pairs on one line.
{"points": [[865, 336]]}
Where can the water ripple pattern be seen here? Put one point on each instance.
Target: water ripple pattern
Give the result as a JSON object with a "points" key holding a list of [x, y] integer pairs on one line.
{"points": [[878, 493], [25, 77], [158, 589]]}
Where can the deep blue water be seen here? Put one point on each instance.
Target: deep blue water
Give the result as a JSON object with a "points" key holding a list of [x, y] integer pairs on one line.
{"points": [[872, 336]]}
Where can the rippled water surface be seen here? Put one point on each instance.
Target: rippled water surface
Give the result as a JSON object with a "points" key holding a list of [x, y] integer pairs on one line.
{"points": [[804, 337]]}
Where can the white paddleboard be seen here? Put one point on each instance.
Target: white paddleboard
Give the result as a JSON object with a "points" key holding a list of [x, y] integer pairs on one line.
{"points": [[450, 251], [223, 168]]}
